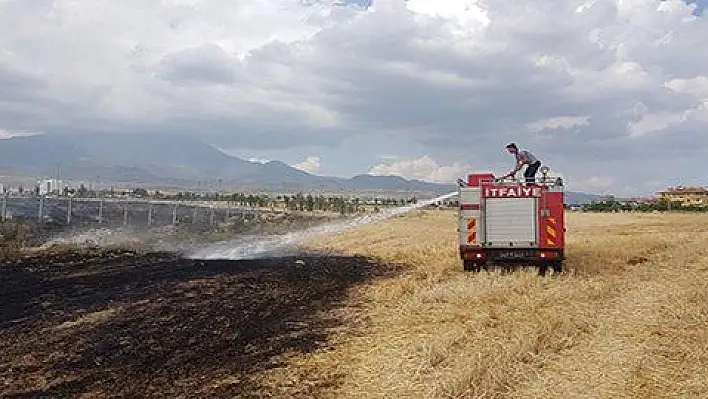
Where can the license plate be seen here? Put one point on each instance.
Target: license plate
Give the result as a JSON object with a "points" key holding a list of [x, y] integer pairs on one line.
{"points": [[516, 254]]}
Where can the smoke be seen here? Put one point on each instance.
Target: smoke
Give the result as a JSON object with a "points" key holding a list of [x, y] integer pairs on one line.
{"points": [[160, 238], [261, 246]]}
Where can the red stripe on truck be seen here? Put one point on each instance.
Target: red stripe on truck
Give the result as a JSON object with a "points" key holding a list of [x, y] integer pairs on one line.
{"points": [[469, 207]]}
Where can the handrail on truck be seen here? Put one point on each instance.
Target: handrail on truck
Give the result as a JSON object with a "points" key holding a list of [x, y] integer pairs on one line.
{"points": [[546, 181]]}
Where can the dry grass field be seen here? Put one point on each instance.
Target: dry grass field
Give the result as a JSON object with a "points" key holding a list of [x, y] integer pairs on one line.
{"points": [[629, 318], [389, 313]]}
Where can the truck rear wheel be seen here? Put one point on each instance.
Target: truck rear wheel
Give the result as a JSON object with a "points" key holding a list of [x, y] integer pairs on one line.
{"points": [[556, 266], [471, 266]]}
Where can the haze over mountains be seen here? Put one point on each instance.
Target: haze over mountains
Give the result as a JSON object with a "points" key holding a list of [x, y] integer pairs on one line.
{"points": [[179, 161], [170, 160]]}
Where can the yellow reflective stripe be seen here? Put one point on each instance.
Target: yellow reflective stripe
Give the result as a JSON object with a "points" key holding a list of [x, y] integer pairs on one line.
{"points": [[551, 231], [471, 231]]}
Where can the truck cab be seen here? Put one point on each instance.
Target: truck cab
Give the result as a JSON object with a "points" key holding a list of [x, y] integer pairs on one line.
{"points": [[510, 222]]}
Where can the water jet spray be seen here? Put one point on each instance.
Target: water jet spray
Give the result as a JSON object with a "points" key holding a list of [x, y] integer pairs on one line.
{"points": [[259, 246]]}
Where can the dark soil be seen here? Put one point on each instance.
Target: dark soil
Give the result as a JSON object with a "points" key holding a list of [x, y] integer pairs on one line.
{"points": [[154, 325]]}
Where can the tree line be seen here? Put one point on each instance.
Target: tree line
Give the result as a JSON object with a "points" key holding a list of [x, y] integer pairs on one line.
{"points": [[661, 205], [295, 202]]}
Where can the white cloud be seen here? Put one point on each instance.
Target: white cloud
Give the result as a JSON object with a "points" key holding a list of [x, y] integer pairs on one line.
{"points": [[656, 122], [462, 17], [258, 160], [660, 121], [459, 78], [697, 86], [560, 122], [6, 134], [310, 165], [423, 168], [390, 157]]}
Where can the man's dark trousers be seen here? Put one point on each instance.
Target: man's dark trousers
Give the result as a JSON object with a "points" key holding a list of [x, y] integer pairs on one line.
{"points": [[530, 173]]}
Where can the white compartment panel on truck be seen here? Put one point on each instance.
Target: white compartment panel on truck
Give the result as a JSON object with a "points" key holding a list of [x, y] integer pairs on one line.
{"points": [[511, 222], [471, 225]]}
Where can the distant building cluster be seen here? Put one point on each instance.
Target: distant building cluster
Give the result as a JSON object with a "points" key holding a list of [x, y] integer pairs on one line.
{"points": [[57, 187], [50, 186], [686, 196]]}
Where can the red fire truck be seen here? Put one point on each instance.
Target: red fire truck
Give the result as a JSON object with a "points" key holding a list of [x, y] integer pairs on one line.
{"points": [[508, 222]]}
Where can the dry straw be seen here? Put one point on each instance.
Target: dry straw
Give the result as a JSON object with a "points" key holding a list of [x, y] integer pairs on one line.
{"points": [[629, 319]]}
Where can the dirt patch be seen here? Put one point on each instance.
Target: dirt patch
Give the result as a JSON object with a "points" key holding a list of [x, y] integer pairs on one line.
{"points": [[158, 325]]}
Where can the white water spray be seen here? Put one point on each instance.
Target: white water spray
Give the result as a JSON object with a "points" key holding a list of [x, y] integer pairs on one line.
{"points": [[259, 246]]}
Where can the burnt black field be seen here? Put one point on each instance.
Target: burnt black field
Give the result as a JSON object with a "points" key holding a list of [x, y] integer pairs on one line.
{"points": [[104, 323]]}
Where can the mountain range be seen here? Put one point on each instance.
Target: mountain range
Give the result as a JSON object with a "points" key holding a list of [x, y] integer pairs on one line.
{"points": [[181, 162]]}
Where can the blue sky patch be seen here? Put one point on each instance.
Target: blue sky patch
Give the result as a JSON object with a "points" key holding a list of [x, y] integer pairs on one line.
{"points": [[702, 5], [358, 4]]}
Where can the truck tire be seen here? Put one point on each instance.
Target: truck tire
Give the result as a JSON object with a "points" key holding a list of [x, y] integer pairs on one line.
{"points": [[558, 267], [471, 266]]}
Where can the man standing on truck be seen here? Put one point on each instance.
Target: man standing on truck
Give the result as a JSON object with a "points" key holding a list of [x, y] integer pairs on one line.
{"points": [[523, 157]]}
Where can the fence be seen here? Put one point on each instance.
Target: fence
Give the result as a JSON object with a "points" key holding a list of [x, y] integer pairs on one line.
{"points": [[116, 211]]}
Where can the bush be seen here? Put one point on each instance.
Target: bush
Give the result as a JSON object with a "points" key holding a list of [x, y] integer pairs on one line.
{"points": [[13, 237]]}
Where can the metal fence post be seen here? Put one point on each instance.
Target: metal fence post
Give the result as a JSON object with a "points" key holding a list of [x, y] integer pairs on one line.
{"points": [[211, 216], [68, 211], [4, 207], [125, 214], [149, 214], [100, 211], [40, 217], [194, 215], [174, 214]]}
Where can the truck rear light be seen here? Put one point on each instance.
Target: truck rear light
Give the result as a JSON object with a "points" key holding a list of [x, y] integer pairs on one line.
{"points": [[475, 256], [548, 255]]}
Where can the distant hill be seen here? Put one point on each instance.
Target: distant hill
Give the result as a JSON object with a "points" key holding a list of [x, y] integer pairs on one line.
{"points": [[174, 160]]}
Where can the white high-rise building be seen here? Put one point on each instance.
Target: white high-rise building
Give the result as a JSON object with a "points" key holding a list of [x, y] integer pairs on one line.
{"points": [[50, 186]]}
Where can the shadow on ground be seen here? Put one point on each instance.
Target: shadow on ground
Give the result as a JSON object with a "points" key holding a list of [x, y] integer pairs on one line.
{"points": [[157, 325]]}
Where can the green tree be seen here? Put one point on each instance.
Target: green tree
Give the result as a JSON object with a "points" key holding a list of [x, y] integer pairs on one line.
{"points": [[138, 192], [83, 191]]}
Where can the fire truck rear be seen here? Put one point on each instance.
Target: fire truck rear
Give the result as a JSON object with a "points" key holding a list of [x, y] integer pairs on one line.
{"points": [[507, 222]]}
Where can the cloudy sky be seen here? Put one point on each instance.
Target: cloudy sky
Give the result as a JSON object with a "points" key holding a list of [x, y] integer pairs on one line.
{"points": [[612, 94]]}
